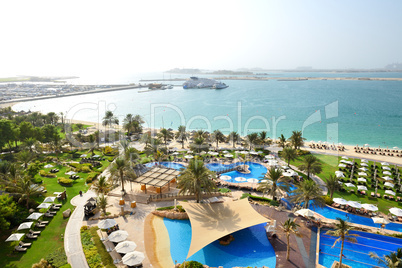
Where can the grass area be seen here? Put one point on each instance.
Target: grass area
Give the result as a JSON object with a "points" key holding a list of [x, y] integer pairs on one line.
{"points": [[94, 250], [51, 237], [329, 165]]}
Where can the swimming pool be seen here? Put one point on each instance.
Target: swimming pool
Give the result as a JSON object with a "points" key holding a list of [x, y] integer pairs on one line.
{"points": [[257, 171], [174, 165], [331, 213], [357, 254], [250, 247]]}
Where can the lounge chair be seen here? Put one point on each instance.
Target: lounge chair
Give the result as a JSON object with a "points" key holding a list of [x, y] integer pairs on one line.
{"points": [[20, 249], [372, 194], [57, 205], [43, 222], [54, 207], [31, 236], [38, 225], [48, 215], [378, 195], [22, 244], [32, 232]]}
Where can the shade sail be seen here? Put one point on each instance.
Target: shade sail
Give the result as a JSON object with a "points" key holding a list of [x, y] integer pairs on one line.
{"points": [[210, 222]]}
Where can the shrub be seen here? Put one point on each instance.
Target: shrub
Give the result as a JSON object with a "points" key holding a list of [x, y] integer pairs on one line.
{"points": [[328, 200], [224, 190], [37, 180], [57, 258], [110, 159], [245, 195], [191, 264], [74, 165], [65, 181], [85, 169], [180, 208], [46, 174], [274, 203]]}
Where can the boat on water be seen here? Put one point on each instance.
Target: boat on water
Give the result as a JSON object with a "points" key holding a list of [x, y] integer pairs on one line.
{"points": [[196, 82]]}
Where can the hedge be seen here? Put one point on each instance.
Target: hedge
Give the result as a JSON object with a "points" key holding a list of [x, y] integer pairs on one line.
{"points": [[180, 208], [65, 181], [46, 174]]}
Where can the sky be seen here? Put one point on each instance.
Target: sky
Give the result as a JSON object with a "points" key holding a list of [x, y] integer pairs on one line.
{"points": [[100, 37]]}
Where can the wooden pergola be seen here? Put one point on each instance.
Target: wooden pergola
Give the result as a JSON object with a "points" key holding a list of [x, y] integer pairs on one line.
{"points": [[157, 177]]}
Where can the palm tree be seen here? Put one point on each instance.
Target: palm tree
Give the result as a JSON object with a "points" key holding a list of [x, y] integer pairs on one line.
{"points": [[289, 154], [25, 189], [146, 138], [166, 135], [201, 134], [102, 202], [25, 157], [217, 136], [121, 171], [308, 191], [392, 260], [196, 179], [341, 231], [297, 139], [154, 146], [275, 181], [252, 139], [263, 136], [332, 183], [159, 156], [198, 144], [181, 135], [128, 123], [234, 137], [102, 186], [288, 227], [109, 119], [310, 165], [282, 141], [29, 143]]}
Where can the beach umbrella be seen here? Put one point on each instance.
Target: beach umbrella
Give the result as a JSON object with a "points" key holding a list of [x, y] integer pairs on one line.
{"points": [[243, 152], [202, 153], [367, 145], [213, 153], [345, 157], [363, 168], [25, 225], [388, 178], [190, 152], [387, 173], [396, 211], [15, 237], [228, 155], [182, 150], [344, 161], [362, 174], [189, 156], [252, 180], [225, 152], [240, 179], [126, 247], [361, 188], [342, 165], [48, 166], [253, 153], [71, 173], [396, 148], [175, 153], [106, 224], [57, 193], [269, 156], [388, 184], [49, 199], [44, 205], [349, 162], [339, 174], [386, 168], [364, 165], [384, 164], [364, 161], [225, 178], [118, 236], [264, 180], [96, 156], [133, 258], [390, 192], [380, 220], [305, 212], [35, 216], [362, 179], [354, 204], [370, 207], [83, 155], [348, 184], [340, 201]]}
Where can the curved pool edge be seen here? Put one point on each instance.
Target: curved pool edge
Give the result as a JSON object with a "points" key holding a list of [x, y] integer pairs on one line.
{"points": [[157, 242]]}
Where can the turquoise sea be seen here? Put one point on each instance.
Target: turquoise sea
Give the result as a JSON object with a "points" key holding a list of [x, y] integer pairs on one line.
{"points": [[351, 112]]}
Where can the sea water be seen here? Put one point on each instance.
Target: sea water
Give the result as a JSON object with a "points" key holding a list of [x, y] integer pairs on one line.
{"points": [[348, 111]]}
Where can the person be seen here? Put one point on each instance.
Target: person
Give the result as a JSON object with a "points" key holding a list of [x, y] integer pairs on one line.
{"points": [[383, 226], [80, 193]]}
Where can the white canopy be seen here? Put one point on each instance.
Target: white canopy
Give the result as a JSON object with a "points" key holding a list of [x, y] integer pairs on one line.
{"points": [[252, 180], [388, 184], [384, 164], [361, 188], [380, 220], [225, 177], [15, 237], [370, 207], [118, 236], [342, 165], [126, 247], [106, 224], [354, 204], [305, 212], [340, 201], [362, 174], [387, 173], [390, 192], [364, 161], [386, 168], [133, 258], [363, 168], [35, 216], [388, 178], [396, 211], [240, 179], [348, 184], [362, 179], [49, 199], [44, 205], [25, 225], [364, 165]]}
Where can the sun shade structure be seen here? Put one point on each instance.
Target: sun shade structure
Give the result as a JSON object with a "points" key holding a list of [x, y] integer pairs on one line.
{"points": [[158, 177], [210, 222]]}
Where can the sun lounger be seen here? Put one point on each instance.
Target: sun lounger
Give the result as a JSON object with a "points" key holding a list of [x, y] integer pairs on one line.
{"points": [[32, 232], [378, 195], [20, 249], [30, 236], [372, 194], [54, 207], [22, 244], [48, 215], [38, 225], [43, 222]]}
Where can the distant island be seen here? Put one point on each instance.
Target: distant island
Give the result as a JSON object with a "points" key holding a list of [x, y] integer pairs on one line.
{"points": [[198, 71], [228, 72], [24, 78]]}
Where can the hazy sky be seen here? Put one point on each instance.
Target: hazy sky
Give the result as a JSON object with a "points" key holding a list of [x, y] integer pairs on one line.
{"points": [[76, 37]]}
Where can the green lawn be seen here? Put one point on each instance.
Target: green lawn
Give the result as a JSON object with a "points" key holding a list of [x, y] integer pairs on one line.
{"points": [[51, 236]]}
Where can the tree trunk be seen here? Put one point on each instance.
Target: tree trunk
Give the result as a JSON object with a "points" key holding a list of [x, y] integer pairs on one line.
{"points": [[340, 259], [288, 247], [182, 144]]}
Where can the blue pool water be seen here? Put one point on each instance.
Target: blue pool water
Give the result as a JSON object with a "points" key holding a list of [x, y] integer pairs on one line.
{"points": [[331, 213], [174, 165], [357, 254], [250, 247], [257, 171]]}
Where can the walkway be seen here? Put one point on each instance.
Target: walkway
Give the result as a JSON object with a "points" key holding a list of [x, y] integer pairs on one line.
{"points": [[72, 237]]}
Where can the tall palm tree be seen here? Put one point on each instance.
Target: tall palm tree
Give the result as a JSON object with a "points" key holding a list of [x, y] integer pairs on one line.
{"points": [[109, 119], [201, 134], [332, 183], [252, 139], [159, 156], [290, 227], [121, 171], [29, 143], [392, 260], [282, 141], [217, 136], [234, 137], [289, 154], [311, 165], [181, 135], [308, 191], [341, 231], [102, 186], [196, 179], [128, 123], [146, 138], [25, 157], [154, 146], [264, 139], [297, 139], [275, 181], [199, 143], [25, 189], [166, 135], [102, 202]]}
